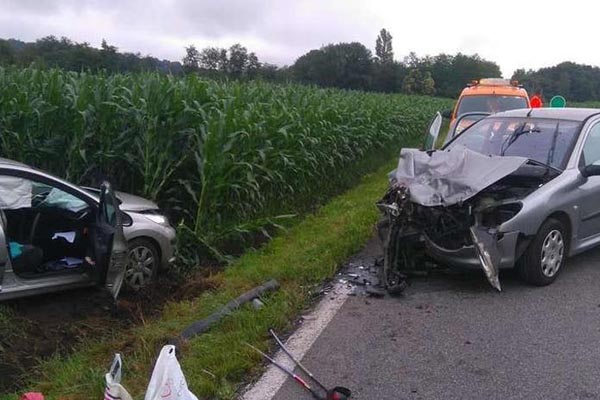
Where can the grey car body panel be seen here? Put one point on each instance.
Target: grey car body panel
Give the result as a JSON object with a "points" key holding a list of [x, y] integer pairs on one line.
{"points": [[163, 236], [142, 227], [12, 286], [451, 176], [570, 196]]}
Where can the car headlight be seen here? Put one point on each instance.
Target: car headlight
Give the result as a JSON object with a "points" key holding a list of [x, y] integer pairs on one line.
{"points": [[500, 214], [159, 219]]}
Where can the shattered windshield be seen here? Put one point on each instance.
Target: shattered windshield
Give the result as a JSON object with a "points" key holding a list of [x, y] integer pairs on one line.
{"points": [[490, 104], [548, 141]]}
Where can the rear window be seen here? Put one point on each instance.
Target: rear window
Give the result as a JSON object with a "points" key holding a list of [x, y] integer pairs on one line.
{"points": [[490, 104]]}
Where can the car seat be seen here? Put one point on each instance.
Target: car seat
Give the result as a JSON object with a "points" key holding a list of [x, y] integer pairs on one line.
{"points": [[23, 257]]}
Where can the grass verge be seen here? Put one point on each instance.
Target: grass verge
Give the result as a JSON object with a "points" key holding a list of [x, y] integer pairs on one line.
{"points": [[301, 258]]}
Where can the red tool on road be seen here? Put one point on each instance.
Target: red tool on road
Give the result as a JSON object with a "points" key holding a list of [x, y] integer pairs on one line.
{"points": [[337, 393]]}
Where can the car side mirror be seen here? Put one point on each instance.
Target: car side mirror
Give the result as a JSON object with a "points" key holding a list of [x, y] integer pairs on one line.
{"points": [[447, 114], [590, 170]]}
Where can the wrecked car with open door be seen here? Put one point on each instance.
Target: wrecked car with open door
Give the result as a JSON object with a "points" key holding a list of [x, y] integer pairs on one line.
{"points": [[55, 236], [515, 189]]}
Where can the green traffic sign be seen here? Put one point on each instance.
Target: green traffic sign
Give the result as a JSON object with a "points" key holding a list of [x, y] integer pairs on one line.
{"points": [[558, 102]]}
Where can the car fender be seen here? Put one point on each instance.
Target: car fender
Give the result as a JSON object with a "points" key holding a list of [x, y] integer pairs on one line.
{"points": [[555, 197]]}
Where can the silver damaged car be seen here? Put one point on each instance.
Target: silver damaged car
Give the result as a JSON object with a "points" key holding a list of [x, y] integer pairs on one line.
{"points": [[518, 189], [56, 236]]}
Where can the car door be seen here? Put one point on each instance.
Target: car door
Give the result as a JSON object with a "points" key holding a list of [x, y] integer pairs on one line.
{"points": [[433, 131], [462, 123], [110, 244], [589, 190], [3, 248]]}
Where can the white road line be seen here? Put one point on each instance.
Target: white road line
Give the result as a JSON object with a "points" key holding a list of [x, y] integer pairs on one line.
{"points": [[299, 343]]}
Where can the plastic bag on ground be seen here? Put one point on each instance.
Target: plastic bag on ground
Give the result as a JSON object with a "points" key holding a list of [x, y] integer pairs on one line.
{"points": [[114, 390], [167, 381]]}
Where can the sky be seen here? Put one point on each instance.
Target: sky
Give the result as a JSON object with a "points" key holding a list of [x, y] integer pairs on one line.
{"points": [[514, 34]]}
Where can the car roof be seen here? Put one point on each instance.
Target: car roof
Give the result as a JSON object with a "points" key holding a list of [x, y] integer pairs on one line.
{"points": [[572, 114], [7, 162], [481, 90]]}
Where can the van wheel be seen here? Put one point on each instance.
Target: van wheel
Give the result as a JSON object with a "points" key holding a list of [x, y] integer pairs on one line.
{"points": [[142, 263], [546, 254]]}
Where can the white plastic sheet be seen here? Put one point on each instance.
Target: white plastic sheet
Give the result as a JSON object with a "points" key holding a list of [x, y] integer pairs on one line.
{"points": [[167, 381], [114, 390]]}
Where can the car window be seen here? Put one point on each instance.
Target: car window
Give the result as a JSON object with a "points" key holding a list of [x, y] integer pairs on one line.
{"points": [[490, 104], [17, 193], [591, 148], [548, 141]]}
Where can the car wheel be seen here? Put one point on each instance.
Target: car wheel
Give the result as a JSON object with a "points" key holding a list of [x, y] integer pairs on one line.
{"points": [[142, 263], [394, 256], [546, 254]]}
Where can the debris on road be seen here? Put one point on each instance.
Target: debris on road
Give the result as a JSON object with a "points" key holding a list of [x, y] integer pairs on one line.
{"points": [[363, 276], [337, 393]]}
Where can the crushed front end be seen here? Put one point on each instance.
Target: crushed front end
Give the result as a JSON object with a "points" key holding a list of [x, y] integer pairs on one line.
{"points": [[432, 213]]}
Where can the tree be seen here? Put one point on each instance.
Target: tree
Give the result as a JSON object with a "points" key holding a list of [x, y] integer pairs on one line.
{"points": [[191, 61], [428, 84], [211, 58], [412, 82], [387, 74], [253, 65], [383, 47], [238, 60], [343, 65], [104, 47], [7, 53], [223, 61]]}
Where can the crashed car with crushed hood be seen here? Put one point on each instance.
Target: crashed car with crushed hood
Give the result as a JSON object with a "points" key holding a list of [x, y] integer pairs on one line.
{"points": [[515, 189]]}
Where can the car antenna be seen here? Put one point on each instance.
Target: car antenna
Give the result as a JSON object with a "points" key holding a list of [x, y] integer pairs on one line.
{"points": [[530, 111]]}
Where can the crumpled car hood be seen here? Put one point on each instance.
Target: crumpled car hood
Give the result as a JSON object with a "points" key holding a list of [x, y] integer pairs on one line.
{"points": [[447, 177], [130, 202]]}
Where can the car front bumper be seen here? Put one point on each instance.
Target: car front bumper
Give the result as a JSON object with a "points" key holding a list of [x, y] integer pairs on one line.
{"points": [[467, 256], [168, 246]]}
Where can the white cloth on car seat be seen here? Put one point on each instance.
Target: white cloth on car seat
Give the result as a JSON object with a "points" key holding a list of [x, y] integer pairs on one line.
{"points": [[15, 192]]}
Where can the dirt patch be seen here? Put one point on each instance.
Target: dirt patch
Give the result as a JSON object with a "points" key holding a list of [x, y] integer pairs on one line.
{"points": [[34, 329]]}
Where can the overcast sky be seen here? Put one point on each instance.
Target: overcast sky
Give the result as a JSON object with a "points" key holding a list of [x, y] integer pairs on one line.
{"points": [[515, 34]]}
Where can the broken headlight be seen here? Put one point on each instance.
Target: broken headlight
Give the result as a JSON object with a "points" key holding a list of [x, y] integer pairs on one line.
{"points": [[494, 216]]}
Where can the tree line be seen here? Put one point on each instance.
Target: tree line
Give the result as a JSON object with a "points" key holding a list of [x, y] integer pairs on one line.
{"points": [[53, 52], [575, 82], [341, 65]]}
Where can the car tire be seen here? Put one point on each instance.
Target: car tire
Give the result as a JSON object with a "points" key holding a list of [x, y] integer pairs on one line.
{"points": [[143, 261], [545, 257]]}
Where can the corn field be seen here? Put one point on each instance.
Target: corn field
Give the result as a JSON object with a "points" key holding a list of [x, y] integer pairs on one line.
{"points": [[223, 159]]}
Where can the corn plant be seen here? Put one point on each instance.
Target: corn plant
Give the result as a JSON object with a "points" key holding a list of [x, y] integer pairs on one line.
{"points": [[224, 159]]}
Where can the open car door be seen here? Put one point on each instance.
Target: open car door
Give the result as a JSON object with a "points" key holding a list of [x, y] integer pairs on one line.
{"points": [[462, 123], [111, 247], [3, 247], [433, 131]]}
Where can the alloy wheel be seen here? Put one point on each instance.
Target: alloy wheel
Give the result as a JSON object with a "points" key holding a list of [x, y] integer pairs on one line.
{"points": [[552, 253], [140, 267]]}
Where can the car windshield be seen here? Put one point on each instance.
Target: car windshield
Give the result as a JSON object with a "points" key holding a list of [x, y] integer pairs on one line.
{"points": [[544, 140], [490, 104]]}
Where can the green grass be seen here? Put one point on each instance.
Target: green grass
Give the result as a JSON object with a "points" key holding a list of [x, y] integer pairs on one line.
{"points": [[301, 258]]}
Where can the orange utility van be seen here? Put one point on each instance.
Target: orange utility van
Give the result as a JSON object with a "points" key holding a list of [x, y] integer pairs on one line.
{"points": [[490, 95]]}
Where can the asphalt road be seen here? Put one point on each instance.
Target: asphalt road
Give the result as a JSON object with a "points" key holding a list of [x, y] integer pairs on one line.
{"points": [[453, 337]]}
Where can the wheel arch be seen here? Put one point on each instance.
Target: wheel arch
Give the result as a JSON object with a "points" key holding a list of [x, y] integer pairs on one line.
{"points": [[564, 219], [151, 240]]}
